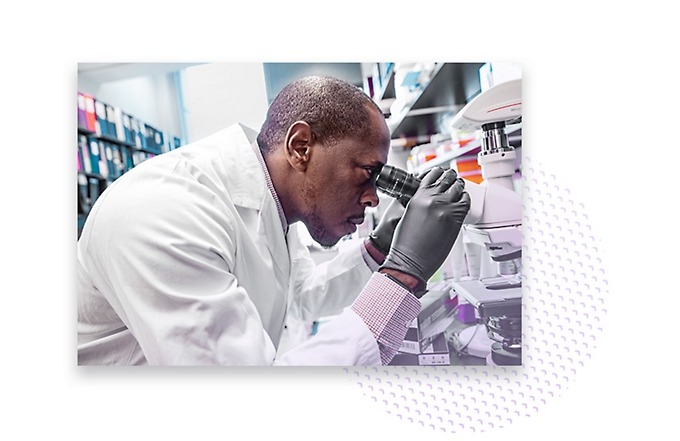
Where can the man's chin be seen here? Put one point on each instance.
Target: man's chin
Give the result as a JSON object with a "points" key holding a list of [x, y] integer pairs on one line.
{"points": [[327, 243], [326, 240], [324, 237]]}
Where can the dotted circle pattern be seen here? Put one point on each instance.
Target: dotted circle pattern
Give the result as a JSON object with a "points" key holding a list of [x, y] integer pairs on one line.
{"points": [[564, 287]]}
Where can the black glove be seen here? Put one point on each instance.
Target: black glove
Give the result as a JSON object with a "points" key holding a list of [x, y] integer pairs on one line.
{"points": [[381, 236], [425, 235]]}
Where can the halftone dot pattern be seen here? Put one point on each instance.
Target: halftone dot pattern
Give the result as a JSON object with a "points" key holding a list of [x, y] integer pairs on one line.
{"points": [[564, 290]]}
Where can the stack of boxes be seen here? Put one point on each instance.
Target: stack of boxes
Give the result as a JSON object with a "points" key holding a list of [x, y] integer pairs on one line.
{"points": [[425, 343]]}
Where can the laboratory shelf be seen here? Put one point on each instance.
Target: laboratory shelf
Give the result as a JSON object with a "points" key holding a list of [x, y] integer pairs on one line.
{"points": [[450, 87], [387, 92], [103, 158], [514, 137], [117, 141]]}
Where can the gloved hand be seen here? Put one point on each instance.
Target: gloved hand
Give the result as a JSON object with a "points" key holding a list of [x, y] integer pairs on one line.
{"points": [[425, 235], [381, 236]]}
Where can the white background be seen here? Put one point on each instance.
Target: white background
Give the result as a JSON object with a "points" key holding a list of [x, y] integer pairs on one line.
{"points": [[600, 97]]}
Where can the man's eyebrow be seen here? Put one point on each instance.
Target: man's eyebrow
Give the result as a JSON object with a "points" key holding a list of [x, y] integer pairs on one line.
{"points": [[374, 164]]}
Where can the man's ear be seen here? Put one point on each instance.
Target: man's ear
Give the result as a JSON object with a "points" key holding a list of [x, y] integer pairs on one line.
{"points": [[298, 145]]}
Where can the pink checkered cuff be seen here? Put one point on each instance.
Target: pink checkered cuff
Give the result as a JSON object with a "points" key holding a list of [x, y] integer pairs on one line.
{"points": [[387, 309]]}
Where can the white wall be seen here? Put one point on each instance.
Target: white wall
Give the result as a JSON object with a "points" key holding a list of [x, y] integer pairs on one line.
{"points": [[217, 95], [152, 99]]}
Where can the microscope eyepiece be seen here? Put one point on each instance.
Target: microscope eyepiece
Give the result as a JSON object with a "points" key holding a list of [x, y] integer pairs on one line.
{"points": [[396, 182]]}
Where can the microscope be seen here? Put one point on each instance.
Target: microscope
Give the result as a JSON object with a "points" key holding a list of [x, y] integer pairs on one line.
{"points": [[492, 231], [490, 242]]}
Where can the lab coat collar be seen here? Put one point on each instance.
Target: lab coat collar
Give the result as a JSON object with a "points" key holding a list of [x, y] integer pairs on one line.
{"points": [[270, 186], [243, 176], [245, 180]]}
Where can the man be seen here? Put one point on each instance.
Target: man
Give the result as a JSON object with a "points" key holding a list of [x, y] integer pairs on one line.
{"points": [[188, 259]]}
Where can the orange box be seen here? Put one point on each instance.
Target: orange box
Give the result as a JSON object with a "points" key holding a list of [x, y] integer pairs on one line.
{"points": [[467, 165], [469, 169]]}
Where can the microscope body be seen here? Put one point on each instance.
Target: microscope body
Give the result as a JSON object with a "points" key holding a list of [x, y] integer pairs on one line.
{"points": [[488, 258]]}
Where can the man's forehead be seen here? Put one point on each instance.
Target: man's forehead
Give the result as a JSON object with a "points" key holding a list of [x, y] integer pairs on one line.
{"points": [[380, 133], [374, 151]]}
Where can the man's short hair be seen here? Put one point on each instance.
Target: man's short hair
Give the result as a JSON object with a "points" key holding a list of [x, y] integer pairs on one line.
{"points": [[334, 109]]}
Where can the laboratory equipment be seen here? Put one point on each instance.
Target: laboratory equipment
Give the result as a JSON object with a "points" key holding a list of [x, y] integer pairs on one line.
{"points": [[492, 231], [396, 182], [490, 245]]}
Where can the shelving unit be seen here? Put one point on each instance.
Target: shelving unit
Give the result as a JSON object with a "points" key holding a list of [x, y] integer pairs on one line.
{"points": [[110, 143], [431, 108], [385, 89], [450, 87]]}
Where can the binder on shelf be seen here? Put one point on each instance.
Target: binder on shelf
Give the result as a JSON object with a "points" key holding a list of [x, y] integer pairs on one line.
{"points": [[154, 139], [120, 130], [160, 140], [170, 142], [123, 155], [127, 128], [90, 116], [139, 133], [95, 190], [80, 161], [142, 135], [140, 156], [114, 162], [103, 160], [150, 138], [82, 115], [111, 120], [116, 165], [94, 154], [134, 128], [122, 121], [84, 149], [126, 159], [102, 123], [83, 195], [167, 146]]}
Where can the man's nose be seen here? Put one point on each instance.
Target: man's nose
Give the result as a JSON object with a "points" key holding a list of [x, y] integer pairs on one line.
{"points": [[370, 197]]}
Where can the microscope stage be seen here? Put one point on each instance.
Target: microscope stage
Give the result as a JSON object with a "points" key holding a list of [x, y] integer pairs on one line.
{"points": [[490, 294]]}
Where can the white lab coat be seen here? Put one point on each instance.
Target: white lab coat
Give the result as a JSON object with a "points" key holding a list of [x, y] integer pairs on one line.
{"points": [[183, 261]]}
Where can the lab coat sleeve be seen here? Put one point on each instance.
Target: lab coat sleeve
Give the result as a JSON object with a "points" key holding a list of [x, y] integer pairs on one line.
{"points": [[384, 309], [163, 255], [325, 289], [344, 341]]}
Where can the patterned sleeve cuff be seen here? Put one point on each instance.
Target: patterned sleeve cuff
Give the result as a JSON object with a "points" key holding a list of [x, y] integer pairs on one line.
{"points": [[387, 309]]}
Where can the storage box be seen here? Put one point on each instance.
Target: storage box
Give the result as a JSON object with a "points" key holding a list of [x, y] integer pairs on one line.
{"points": [[436, 315], [437, 354]]}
